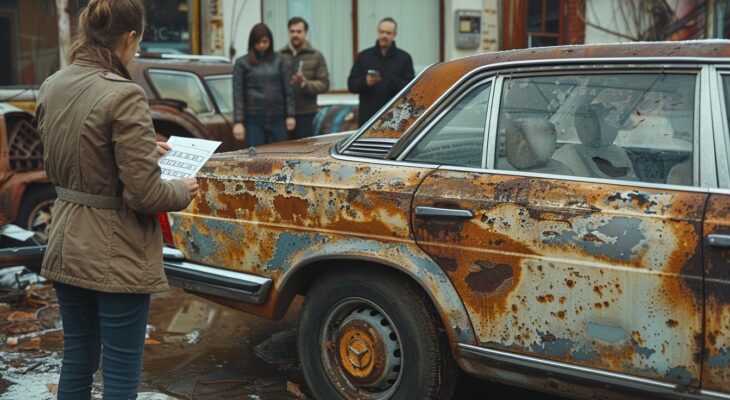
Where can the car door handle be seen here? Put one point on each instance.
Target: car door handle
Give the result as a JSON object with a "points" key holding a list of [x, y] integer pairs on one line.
{"points": [[422, 211], [719, 240]]}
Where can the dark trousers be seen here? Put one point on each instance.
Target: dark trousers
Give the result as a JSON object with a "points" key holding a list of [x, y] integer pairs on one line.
{"points": [[264, 130], [305, 126], [110, 325]]}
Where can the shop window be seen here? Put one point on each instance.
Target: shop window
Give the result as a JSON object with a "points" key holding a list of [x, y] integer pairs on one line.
{"points": [[28, 41], [168, 27]]}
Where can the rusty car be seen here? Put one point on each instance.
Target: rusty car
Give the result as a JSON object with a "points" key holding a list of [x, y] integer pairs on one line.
{"points": [[554, 218]]}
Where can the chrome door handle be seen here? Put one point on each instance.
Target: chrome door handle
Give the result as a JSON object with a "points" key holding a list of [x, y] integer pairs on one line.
{"points": [[719, 240], [422, 211]]}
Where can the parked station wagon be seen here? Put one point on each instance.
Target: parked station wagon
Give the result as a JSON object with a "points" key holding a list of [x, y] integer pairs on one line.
{"points": [[554, 218]]}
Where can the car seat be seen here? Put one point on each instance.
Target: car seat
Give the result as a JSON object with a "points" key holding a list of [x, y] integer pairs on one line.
{"points": [[529, 143], [596, 156]]}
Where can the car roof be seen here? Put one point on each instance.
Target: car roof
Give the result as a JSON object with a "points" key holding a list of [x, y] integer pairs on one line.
{"points": [[439, 78]]}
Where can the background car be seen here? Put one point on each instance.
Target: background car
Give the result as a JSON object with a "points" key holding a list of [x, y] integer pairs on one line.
{"points": [[554, 218]]}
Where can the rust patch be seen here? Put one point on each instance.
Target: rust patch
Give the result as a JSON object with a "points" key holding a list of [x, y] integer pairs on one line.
{"points": [[672, 323], [490, 278], [288, 207]]}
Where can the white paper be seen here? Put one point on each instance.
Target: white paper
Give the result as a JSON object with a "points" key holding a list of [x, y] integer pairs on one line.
{"points": [[186, 157], [16, 232]]}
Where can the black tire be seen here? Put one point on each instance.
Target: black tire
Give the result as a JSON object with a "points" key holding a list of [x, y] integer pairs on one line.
{"points": [[34, 212], [340, 316]]}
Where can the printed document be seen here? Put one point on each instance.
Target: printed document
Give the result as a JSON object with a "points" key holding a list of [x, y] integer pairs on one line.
{"points": [[186, 157]]}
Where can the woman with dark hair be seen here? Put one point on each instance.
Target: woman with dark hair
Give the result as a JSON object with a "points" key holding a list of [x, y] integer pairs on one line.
{"points": [[105, 247], [263, 102]]}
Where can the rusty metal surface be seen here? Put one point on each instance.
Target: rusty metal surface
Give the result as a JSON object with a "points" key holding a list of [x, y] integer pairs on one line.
{"points": [[716, 372], [439, 78], [272, 213], [599, 275]]}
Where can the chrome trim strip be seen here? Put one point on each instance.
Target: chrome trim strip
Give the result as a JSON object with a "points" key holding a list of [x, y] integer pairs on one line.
{"points": [[387, 106], [715, 395], [716, 240], [438, 212], [720, 127], [200, 278], [723, 191], [585, 373], [495, 104], [705, 164]]}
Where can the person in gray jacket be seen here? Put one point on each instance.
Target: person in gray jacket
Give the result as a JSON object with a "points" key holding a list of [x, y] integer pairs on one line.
{"points": [[310, 76], [263, 102]]}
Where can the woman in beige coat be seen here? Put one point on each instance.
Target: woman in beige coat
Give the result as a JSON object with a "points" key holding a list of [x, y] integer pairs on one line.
{"points": [[105, 247]]}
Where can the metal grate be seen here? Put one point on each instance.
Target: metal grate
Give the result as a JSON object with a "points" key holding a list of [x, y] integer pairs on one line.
{"points": [[374, 148], [26, 148]]}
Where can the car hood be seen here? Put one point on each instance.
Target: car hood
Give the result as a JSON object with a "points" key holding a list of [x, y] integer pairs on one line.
{"points": [[250, 161]]}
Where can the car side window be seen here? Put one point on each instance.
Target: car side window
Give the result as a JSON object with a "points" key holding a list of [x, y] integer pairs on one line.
{"points": [[457, 138], [222, 89], [182, 86], [632, 126]]}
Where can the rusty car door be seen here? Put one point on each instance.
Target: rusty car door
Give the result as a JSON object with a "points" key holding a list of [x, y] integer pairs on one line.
{"points": [[716, 371], [601, 272]]}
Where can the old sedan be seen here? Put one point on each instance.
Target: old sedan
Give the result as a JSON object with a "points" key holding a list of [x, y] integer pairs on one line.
{"points": [[555, 218]]}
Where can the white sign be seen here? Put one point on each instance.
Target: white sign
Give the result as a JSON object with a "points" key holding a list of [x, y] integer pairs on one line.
{"points": [[186, 157]]}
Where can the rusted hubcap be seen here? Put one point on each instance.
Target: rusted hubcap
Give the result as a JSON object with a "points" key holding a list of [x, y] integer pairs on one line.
{"points": [[361, 351], [365, 353]]}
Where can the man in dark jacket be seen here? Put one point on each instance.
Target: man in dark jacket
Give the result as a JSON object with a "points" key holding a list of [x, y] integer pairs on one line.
{"points": [[309, 78], [380, 72]]}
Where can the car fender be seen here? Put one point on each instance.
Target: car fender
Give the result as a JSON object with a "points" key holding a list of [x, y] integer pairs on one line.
{"points": [[405, 257], [13, 187], [171, 113]]}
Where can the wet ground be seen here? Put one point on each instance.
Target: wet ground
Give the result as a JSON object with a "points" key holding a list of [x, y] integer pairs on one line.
{"points": [[195, 350]]}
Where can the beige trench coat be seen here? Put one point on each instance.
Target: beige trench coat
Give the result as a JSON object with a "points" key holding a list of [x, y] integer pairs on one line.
{"points": [[98, 139]]}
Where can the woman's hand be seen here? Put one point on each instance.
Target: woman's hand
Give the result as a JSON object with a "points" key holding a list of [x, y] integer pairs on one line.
{"points": [[163, 148], [239, 131], [192, 186], [291, 123]]}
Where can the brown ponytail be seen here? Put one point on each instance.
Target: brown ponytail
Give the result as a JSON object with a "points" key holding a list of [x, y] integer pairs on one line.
{"points": [[101, 26]]}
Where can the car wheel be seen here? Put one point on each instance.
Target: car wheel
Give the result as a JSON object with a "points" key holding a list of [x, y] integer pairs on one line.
{"points": [[373, 336], [34, 213]]}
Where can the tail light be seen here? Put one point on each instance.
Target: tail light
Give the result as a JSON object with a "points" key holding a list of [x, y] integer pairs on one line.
{"points": [[165, 225]]}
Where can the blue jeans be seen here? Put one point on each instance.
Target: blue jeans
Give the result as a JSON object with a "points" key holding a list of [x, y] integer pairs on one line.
{"points": [[264, 130], [305, 126], [95, 323]]}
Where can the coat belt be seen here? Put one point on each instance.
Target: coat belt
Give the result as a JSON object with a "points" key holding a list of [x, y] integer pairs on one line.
{"points": [[88, 199]]}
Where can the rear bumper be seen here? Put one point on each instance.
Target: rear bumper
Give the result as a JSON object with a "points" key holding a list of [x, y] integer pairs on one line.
{"points": [[198, 278]]}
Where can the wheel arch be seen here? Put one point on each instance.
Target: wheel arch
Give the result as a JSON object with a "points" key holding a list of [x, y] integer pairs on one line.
{"points": [[420, 270]]}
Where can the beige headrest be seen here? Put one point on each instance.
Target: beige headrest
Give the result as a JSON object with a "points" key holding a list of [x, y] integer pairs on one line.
{"points": [[529, 142], [593, 126]]}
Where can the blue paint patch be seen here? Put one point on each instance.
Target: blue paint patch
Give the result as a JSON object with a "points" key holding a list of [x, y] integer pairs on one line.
{"points": [[344, 172], [610, 334], [720, 360], [624, 233], [204, 244], [679, 375], [288, 244]]}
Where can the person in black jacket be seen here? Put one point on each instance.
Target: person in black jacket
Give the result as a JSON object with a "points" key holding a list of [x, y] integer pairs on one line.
{"points": [[263, 101], [380, 72]]}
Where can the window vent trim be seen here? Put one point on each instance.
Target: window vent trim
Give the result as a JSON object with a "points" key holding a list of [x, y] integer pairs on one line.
{"points": [[370, 147]]}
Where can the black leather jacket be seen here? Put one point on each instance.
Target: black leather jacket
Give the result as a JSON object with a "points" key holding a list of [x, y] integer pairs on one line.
{"points": [[262, 90]]}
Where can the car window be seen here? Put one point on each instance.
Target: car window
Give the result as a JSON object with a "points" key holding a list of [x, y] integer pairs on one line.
{"points": [[182, 86], [222, 89], [636, 127], [726, 91], [457, 138]]}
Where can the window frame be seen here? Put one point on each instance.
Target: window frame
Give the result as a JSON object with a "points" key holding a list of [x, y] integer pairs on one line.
{"points": [[452, 102], [207, 80], [208, 101], [721, 126]]}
